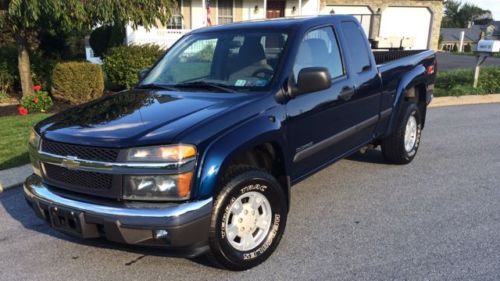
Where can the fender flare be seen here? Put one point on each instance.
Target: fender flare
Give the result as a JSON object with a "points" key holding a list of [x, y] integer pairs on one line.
{"points": [[411, 79], [261, 129]]}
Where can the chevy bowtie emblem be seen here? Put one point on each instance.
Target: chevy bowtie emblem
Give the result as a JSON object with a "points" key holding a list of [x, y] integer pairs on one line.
{"points": [[70, 162]]}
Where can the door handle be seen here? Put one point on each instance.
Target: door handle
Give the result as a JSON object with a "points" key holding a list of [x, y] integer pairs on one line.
{"points": [[346, 93]]}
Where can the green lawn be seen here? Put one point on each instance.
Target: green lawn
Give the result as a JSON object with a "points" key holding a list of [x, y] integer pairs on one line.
{"points": [[14, 131]]}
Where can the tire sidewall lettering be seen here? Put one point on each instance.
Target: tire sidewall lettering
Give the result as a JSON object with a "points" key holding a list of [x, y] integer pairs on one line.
{"points": [[273, 231]]}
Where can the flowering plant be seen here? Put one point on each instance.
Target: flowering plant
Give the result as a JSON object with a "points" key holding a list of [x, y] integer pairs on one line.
{"points": [[40, 101], [22, 110]]}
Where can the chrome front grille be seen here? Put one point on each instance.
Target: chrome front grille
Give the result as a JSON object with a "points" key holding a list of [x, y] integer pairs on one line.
{"points": [[80, 151], [76, 180]]}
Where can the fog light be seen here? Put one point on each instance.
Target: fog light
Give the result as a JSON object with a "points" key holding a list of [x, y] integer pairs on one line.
{"points": [[161, 233]]}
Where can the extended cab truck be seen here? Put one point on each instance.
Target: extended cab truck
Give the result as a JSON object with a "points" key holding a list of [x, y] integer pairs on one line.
{"points": [[199, 157]]}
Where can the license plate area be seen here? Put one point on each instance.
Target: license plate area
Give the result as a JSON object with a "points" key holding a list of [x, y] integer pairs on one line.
{"points": [[66, 220]]}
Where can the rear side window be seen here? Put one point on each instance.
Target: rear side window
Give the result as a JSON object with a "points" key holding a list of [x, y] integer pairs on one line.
{"points": [[319, 48], [357, 46]]}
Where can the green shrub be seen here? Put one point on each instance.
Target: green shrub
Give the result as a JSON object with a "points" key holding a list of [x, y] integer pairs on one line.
{"points": [[38, 102], [467, 48], [3, 96], [8, 68], [41, 69], [105, 37], [121, 64], [77, 82], [459, 82]]}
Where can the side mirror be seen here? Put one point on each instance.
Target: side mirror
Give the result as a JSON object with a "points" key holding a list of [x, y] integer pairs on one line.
{"points": [[142, 73], [311, 79]]}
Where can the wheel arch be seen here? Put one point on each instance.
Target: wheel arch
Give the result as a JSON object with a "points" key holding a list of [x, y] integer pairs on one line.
{"points": [[259, 143], [411, 86]]}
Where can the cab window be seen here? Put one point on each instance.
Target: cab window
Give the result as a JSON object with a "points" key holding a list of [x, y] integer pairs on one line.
{"points": [[319, 48]]}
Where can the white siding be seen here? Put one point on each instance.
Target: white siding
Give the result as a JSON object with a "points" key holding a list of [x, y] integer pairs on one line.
{"points": [[411, 22], [249, 13]]}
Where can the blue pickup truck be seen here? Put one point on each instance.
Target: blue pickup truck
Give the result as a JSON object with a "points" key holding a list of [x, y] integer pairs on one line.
{"points": [[200, 156]]}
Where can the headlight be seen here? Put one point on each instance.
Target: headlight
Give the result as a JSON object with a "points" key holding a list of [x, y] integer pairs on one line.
{"points": [[34, 139], [167, 153], [172, 187], [158, 187]]}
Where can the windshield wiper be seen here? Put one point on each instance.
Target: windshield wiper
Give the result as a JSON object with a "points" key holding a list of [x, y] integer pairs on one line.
{"points": [[204, 84], [156, 86]]}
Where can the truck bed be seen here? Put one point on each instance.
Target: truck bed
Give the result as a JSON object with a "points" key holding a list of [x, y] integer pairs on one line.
{"points": [[382, 57]]}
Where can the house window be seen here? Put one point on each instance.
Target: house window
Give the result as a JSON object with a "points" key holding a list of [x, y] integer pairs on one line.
{"points": [[225, 11], [176, 19]]}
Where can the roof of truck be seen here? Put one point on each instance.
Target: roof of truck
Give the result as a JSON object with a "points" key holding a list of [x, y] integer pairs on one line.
{"points": [[278, 23]]}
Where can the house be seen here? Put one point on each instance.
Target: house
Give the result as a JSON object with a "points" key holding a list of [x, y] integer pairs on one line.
{"points": [[450, 37], [418, 20]]}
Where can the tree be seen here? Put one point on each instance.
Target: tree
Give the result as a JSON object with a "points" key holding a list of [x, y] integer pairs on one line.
{"points": [[459, 14], [24, 19]]}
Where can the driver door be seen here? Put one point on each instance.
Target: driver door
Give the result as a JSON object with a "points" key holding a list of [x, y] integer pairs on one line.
{"points": [[316, 121]]}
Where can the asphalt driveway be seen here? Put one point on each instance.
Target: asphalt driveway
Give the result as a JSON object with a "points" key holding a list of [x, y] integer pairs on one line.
{"points": [[447, 61], [360, 219]]}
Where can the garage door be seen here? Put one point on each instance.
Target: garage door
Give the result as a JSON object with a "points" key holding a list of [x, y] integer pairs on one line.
{"points": [[407, 22], [362, 13]]}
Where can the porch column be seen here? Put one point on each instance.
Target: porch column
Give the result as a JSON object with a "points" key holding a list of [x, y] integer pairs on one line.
{"points": [[204, 12], [300, 7], [265, 9]]}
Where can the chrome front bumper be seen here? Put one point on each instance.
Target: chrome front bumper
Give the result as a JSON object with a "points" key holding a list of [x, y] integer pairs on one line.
{"points": [[184, 225]]}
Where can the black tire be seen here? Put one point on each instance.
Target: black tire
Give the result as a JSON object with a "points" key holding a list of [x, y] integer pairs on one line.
{"points": [[237, 183], [393, 147]]}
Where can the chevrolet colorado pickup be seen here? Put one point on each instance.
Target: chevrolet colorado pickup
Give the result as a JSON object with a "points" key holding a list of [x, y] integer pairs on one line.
{"points": [[200, 156]]}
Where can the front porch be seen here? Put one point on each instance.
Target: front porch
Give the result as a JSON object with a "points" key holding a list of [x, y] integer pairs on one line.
{"points": [[193, 14]]}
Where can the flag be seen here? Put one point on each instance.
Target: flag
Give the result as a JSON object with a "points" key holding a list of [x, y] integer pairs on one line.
{"points": [[209, 14]]}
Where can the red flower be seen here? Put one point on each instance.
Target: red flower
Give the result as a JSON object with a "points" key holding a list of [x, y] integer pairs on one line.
{"points": [[35, 99], [22, 111], [37, 88]]}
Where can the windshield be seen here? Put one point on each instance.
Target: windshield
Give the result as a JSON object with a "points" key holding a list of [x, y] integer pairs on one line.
{"points": [[239, 60]]}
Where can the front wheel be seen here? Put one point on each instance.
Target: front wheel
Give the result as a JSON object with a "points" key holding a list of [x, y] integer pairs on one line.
{"points": [[402, 145], [248, 220]]}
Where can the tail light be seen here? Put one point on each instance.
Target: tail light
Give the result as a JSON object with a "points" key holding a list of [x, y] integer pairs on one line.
{"points": [[430, 69]]}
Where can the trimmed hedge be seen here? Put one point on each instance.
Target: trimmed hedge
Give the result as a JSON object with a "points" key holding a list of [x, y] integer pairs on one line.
{"points": [[459, 82], [121, 64], [77, 82]]}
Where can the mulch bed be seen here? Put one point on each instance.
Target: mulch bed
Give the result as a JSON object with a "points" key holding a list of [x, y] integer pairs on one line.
{"points": [[11, 109]]}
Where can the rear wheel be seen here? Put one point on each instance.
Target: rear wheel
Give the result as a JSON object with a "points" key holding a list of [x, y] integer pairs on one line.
{"points": [[248, 219], [402, 145]]}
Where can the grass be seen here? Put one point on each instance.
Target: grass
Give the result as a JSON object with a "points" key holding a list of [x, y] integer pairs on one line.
{"points": [[14, 131], [459, 82]]}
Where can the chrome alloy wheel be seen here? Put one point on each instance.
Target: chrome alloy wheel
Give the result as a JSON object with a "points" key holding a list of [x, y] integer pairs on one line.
{"points": [[411, 132], [249, 221]]}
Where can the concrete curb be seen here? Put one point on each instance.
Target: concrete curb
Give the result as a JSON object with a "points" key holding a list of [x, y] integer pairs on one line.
{"points": [[464, 100], [13, 177]]}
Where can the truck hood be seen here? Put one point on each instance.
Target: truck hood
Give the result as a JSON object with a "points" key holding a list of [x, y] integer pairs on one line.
{"points": [[136, 117]]}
